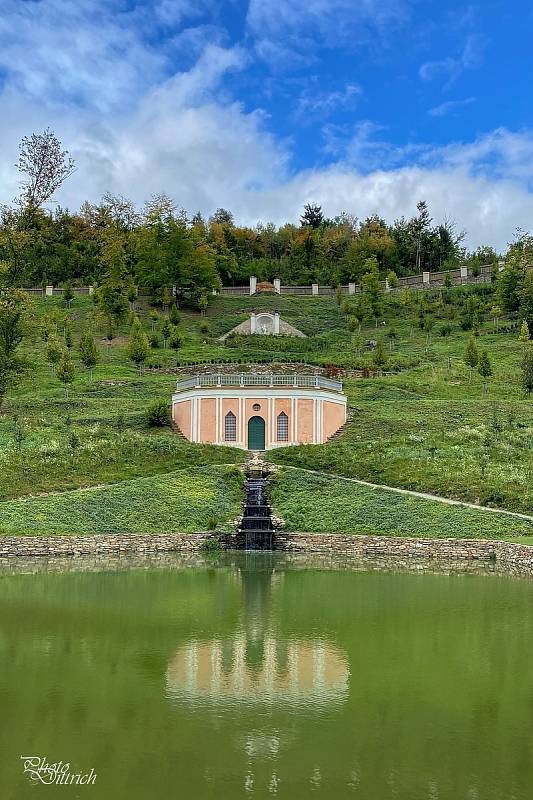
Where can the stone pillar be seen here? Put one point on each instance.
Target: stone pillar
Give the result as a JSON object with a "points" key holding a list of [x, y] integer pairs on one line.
{"points": [[314, 288], [253, 284], [253, 323], [49, 291], [277, 285], [464, 273], [351, 288], [387, 287], [91, 290], [276, 322], [425, 278], [501, 266]]}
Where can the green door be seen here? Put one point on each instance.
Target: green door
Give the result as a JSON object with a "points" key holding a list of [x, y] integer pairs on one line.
{"points": [[256, 433]]}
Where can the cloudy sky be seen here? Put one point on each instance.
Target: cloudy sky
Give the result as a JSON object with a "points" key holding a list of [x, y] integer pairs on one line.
{"points": [[261, 106]]}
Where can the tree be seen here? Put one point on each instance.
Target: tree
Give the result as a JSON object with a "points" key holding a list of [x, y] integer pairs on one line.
{"points": [[13, 309], [203, 302], [174, 315], [524, 332], [165, 332], [68, 294], [175, 340], [526, 299], [222, 216], [138, 345], [54, 351], [527, 369], [68, 335], [379, 356], [66, 371], [88, 352], [484, 368], [312, 216], [471, 356], [45, 167]]}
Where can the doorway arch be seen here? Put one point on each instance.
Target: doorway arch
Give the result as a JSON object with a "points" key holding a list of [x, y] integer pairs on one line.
{"points": [[256, 433]]}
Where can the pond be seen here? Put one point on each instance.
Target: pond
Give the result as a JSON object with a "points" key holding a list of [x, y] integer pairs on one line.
{"points": [[259, 675]]}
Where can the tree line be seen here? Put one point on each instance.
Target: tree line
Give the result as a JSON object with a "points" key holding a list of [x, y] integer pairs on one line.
{"points": [[161, 245]]}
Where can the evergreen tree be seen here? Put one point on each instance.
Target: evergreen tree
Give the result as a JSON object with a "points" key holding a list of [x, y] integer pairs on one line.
{"points": [[484, 368], [471, 356], [379, 356], [88, 352], [138, 345], [524, 332], [527, 369], [312, 216]]}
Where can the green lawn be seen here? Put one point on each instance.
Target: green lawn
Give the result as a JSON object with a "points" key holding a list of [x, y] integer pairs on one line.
{"points": [[324, 504], [187, 500]]}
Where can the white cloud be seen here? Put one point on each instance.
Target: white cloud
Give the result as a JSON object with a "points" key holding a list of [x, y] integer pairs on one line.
{"points": [[137, 125], [450, 68], [450, 106], [314, 103]]}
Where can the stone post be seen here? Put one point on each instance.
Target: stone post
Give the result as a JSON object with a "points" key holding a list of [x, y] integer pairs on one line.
{"points": [[91, 290], [387, 287], [253, 284], [464, 273], [276, 322], [351, 288], [49, 291], [314, 289], [425, 278], [197, 380], [277, 285], [253, 323], [501, 266]]}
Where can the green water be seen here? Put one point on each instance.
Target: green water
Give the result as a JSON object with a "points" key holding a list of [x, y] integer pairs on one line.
{"points": [[259, 677]]}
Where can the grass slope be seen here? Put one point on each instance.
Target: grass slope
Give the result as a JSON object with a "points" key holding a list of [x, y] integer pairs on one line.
{"points": [[181, 501], [323, 504]]}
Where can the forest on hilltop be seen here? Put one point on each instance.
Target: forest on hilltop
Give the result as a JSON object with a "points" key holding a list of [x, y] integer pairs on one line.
{"points": [[161, 245]]}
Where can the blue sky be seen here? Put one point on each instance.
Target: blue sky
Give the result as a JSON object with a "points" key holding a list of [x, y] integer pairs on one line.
{"points": [[361, 105]]}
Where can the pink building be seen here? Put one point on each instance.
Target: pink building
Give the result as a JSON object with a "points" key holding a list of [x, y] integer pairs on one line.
{"points": [[258, 411]]}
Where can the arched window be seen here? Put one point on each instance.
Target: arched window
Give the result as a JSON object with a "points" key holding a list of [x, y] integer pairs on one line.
{"points": [[283, 427], [230, 427]]}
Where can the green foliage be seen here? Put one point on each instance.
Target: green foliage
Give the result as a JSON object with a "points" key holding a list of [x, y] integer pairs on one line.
{"points": [[484, 366], [527, 370], [185, 501], [88, 351], [379, 357], [174, 315], [175, 339], [138, 345], [158, 413], [54, 350], [66, 370], [13, 311], [524, 332], [471, 355], [326, 504]]}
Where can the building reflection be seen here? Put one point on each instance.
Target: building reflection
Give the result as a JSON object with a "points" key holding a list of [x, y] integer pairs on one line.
{"points": [[255, 664]]}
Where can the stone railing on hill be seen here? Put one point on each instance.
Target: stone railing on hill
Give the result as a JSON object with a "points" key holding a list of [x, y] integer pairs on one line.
{"points": [[462, 276]]}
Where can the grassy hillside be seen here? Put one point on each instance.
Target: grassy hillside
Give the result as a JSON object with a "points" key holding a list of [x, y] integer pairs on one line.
{"points": [[323, 504], [184, 501], [428, 424]]}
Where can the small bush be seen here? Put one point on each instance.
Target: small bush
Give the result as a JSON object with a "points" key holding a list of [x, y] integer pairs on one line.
{"points": [[157, 414], [155, 341], [211, 546], [445, 329]]}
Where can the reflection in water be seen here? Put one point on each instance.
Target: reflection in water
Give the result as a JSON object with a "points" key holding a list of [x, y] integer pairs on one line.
{"points": [[254, 664]]}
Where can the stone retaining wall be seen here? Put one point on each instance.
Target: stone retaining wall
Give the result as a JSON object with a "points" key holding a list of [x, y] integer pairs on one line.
{"points": [[117, 544], [513, 557]]}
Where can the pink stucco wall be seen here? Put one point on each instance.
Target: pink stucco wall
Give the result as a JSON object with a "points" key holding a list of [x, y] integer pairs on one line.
{"points": [[334, 415], [182, 417], [208, 420], [306, 409]]}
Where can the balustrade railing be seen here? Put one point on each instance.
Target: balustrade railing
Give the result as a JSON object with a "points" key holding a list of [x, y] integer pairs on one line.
{"points": [[212, 379]]}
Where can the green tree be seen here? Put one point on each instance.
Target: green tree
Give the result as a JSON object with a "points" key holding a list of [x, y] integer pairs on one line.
{"points": [[13, 310], [471, 356], [524, 332], [138, 345], [379, 356], [312, 216], [88, 352], [526, 299], [175, 340], [174, 315], [68, 294], [68, 335], [165, 332], [66, 371], [54, 351], [484, 368], [527, 369]]}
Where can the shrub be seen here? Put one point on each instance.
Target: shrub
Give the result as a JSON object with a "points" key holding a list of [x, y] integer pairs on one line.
{"points": [[157, 414], [175, 340], [445, 329], [211, 546], [155, 341]]}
